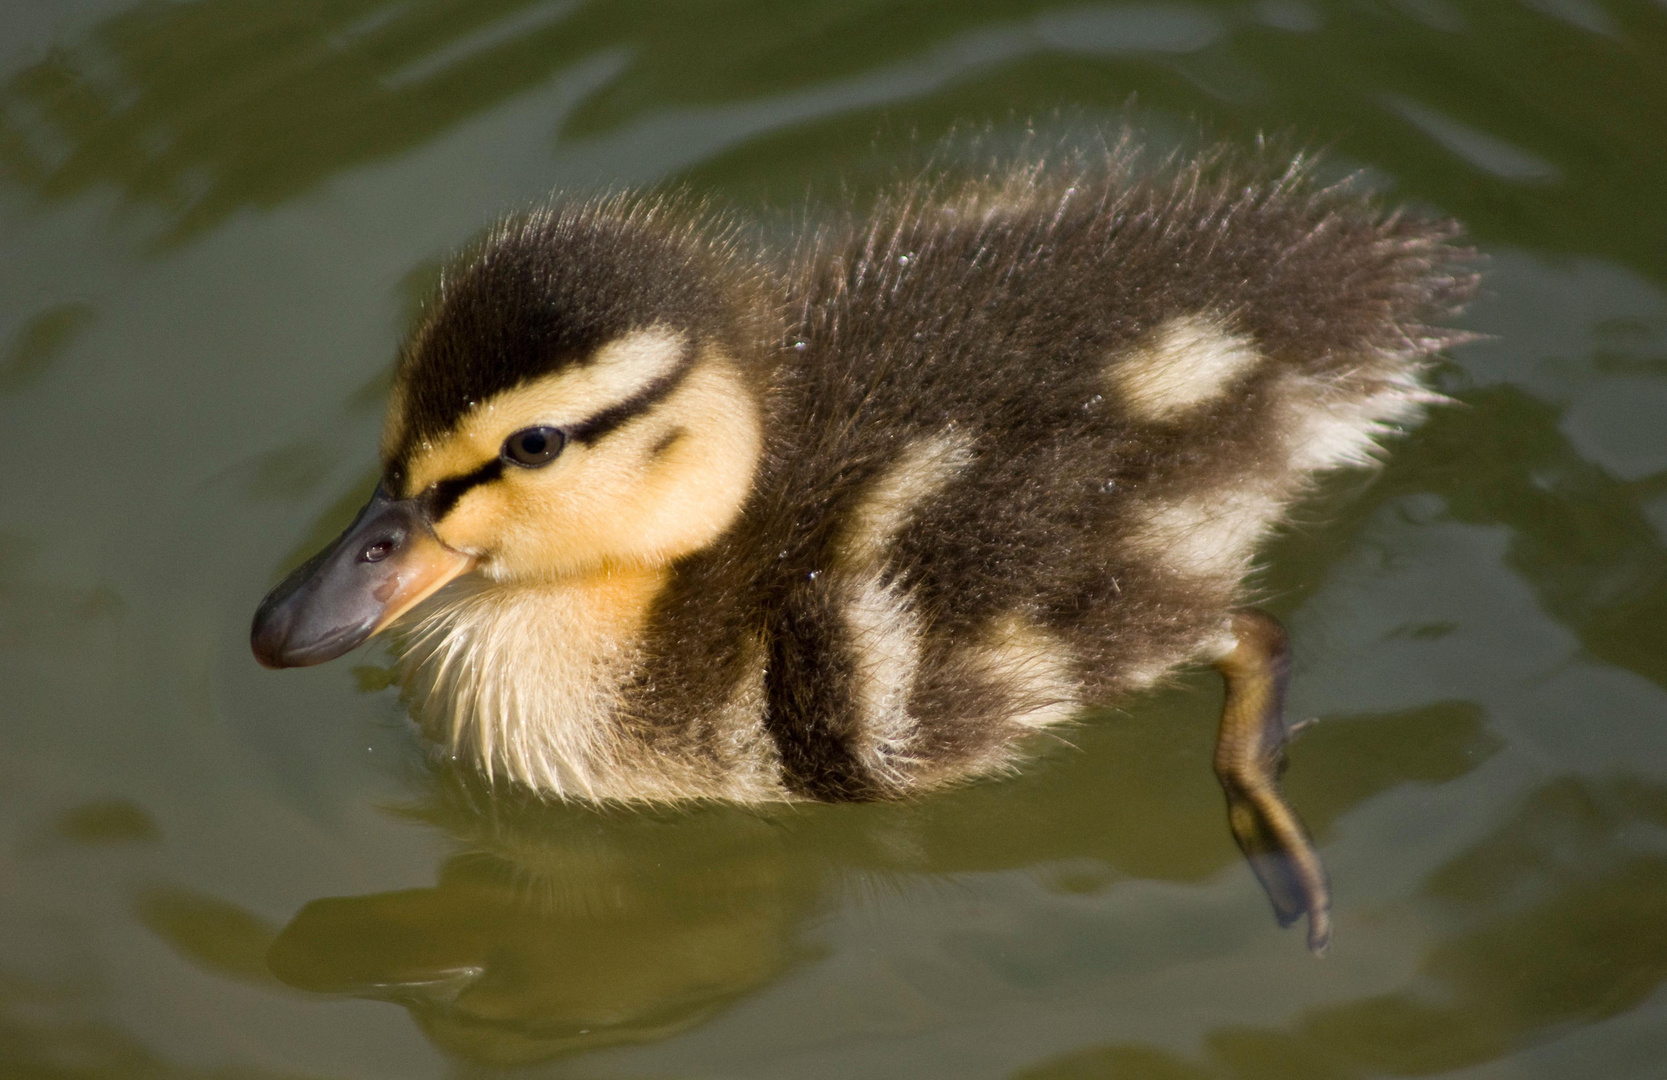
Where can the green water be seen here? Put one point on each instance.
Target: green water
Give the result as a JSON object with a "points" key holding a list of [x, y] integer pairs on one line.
{"points": [[215, 217]]}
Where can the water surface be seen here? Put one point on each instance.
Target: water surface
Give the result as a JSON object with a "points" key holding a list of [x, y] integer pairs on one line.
{"points": [[216, 217]]}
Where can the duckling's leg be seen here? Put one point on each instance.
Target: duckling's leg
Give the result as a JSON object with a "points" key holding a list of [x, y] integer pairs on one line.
{"points": [[1250, 755]]}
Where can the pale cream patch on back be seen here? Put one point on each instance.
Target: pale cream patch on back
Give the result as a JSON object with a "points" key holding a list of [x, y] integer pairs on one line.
{"points": [[1209, 535], [1033, 668], [885, 640], [1144, 676], [1326, 428], [1220, 643], [885, 629], [1211, 645], [1188, 362], [922, 472]]}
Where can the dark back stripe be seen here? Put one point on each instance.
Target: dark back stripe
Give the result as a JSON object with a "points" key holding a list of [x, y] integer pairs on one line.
{"points": [[811, 703], [613, 417]]}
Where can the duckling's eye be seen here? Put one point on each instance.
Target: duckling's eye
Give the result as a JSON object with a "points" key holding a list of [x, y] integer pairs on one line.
{"points": [[534, 446]]}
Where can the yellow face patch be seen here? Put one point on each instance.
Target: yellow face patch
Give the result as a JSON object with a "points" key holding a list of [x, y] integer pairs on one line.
{"points": [[664, 481]]}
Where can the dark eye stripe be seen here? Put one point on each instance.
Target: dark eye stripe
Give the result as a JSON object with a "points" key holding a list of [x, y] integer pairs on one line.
{"points": [[442, 495], [610, 419]]}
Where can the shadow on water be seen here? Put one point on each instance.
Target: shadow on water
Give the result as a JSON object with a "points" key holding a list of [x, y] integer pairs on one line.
{"points": [[1558, 922], [200, 109], [559, 930], [39, 342]]}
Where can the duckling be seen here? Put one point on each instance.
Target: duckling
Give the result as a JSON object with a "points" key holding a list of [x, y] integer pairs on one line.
{"points": [[664, 519]]}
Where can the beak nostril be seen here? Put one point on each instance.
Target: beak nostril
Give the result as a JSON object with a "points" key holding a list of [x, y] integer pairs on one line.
{"points": [[387, 561]]}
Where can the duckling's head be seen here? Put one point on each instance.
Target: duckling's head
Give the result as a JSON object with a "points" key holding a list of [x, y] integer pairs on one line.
{"points": [[582, 395]]}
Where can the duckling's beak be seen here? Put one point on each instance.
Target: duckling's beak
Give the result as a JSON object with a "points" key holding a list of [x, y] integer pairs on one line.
{"points": [[386, 562]]}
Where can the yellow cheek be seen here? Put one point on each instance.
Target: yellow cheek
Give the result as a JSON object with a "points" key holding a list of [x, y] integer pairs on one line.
{"points": [[476, 523], [585, 512], [617, 501], [694, 491], [540, 522]]}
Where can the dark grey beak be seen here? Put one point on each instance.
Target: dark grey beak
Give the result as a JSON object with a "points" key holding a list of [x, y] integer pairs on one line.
{"points": [[386, 562]]}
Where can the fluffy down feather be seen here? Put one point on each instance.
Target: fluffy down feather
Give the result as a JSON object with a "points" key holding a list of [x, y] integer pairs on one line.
{"points": [[1022, 437]]}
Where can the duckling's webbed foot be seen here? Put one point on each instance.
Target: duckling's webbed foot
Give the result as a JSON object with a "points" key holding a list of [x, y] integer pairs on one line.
{"points": [[1250, 754]]}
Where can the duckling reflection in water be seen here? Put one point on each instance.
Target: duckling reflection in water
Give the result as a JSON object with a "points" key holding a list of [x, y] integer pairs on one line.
{"points": [[662, 519], [548, 936]]}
